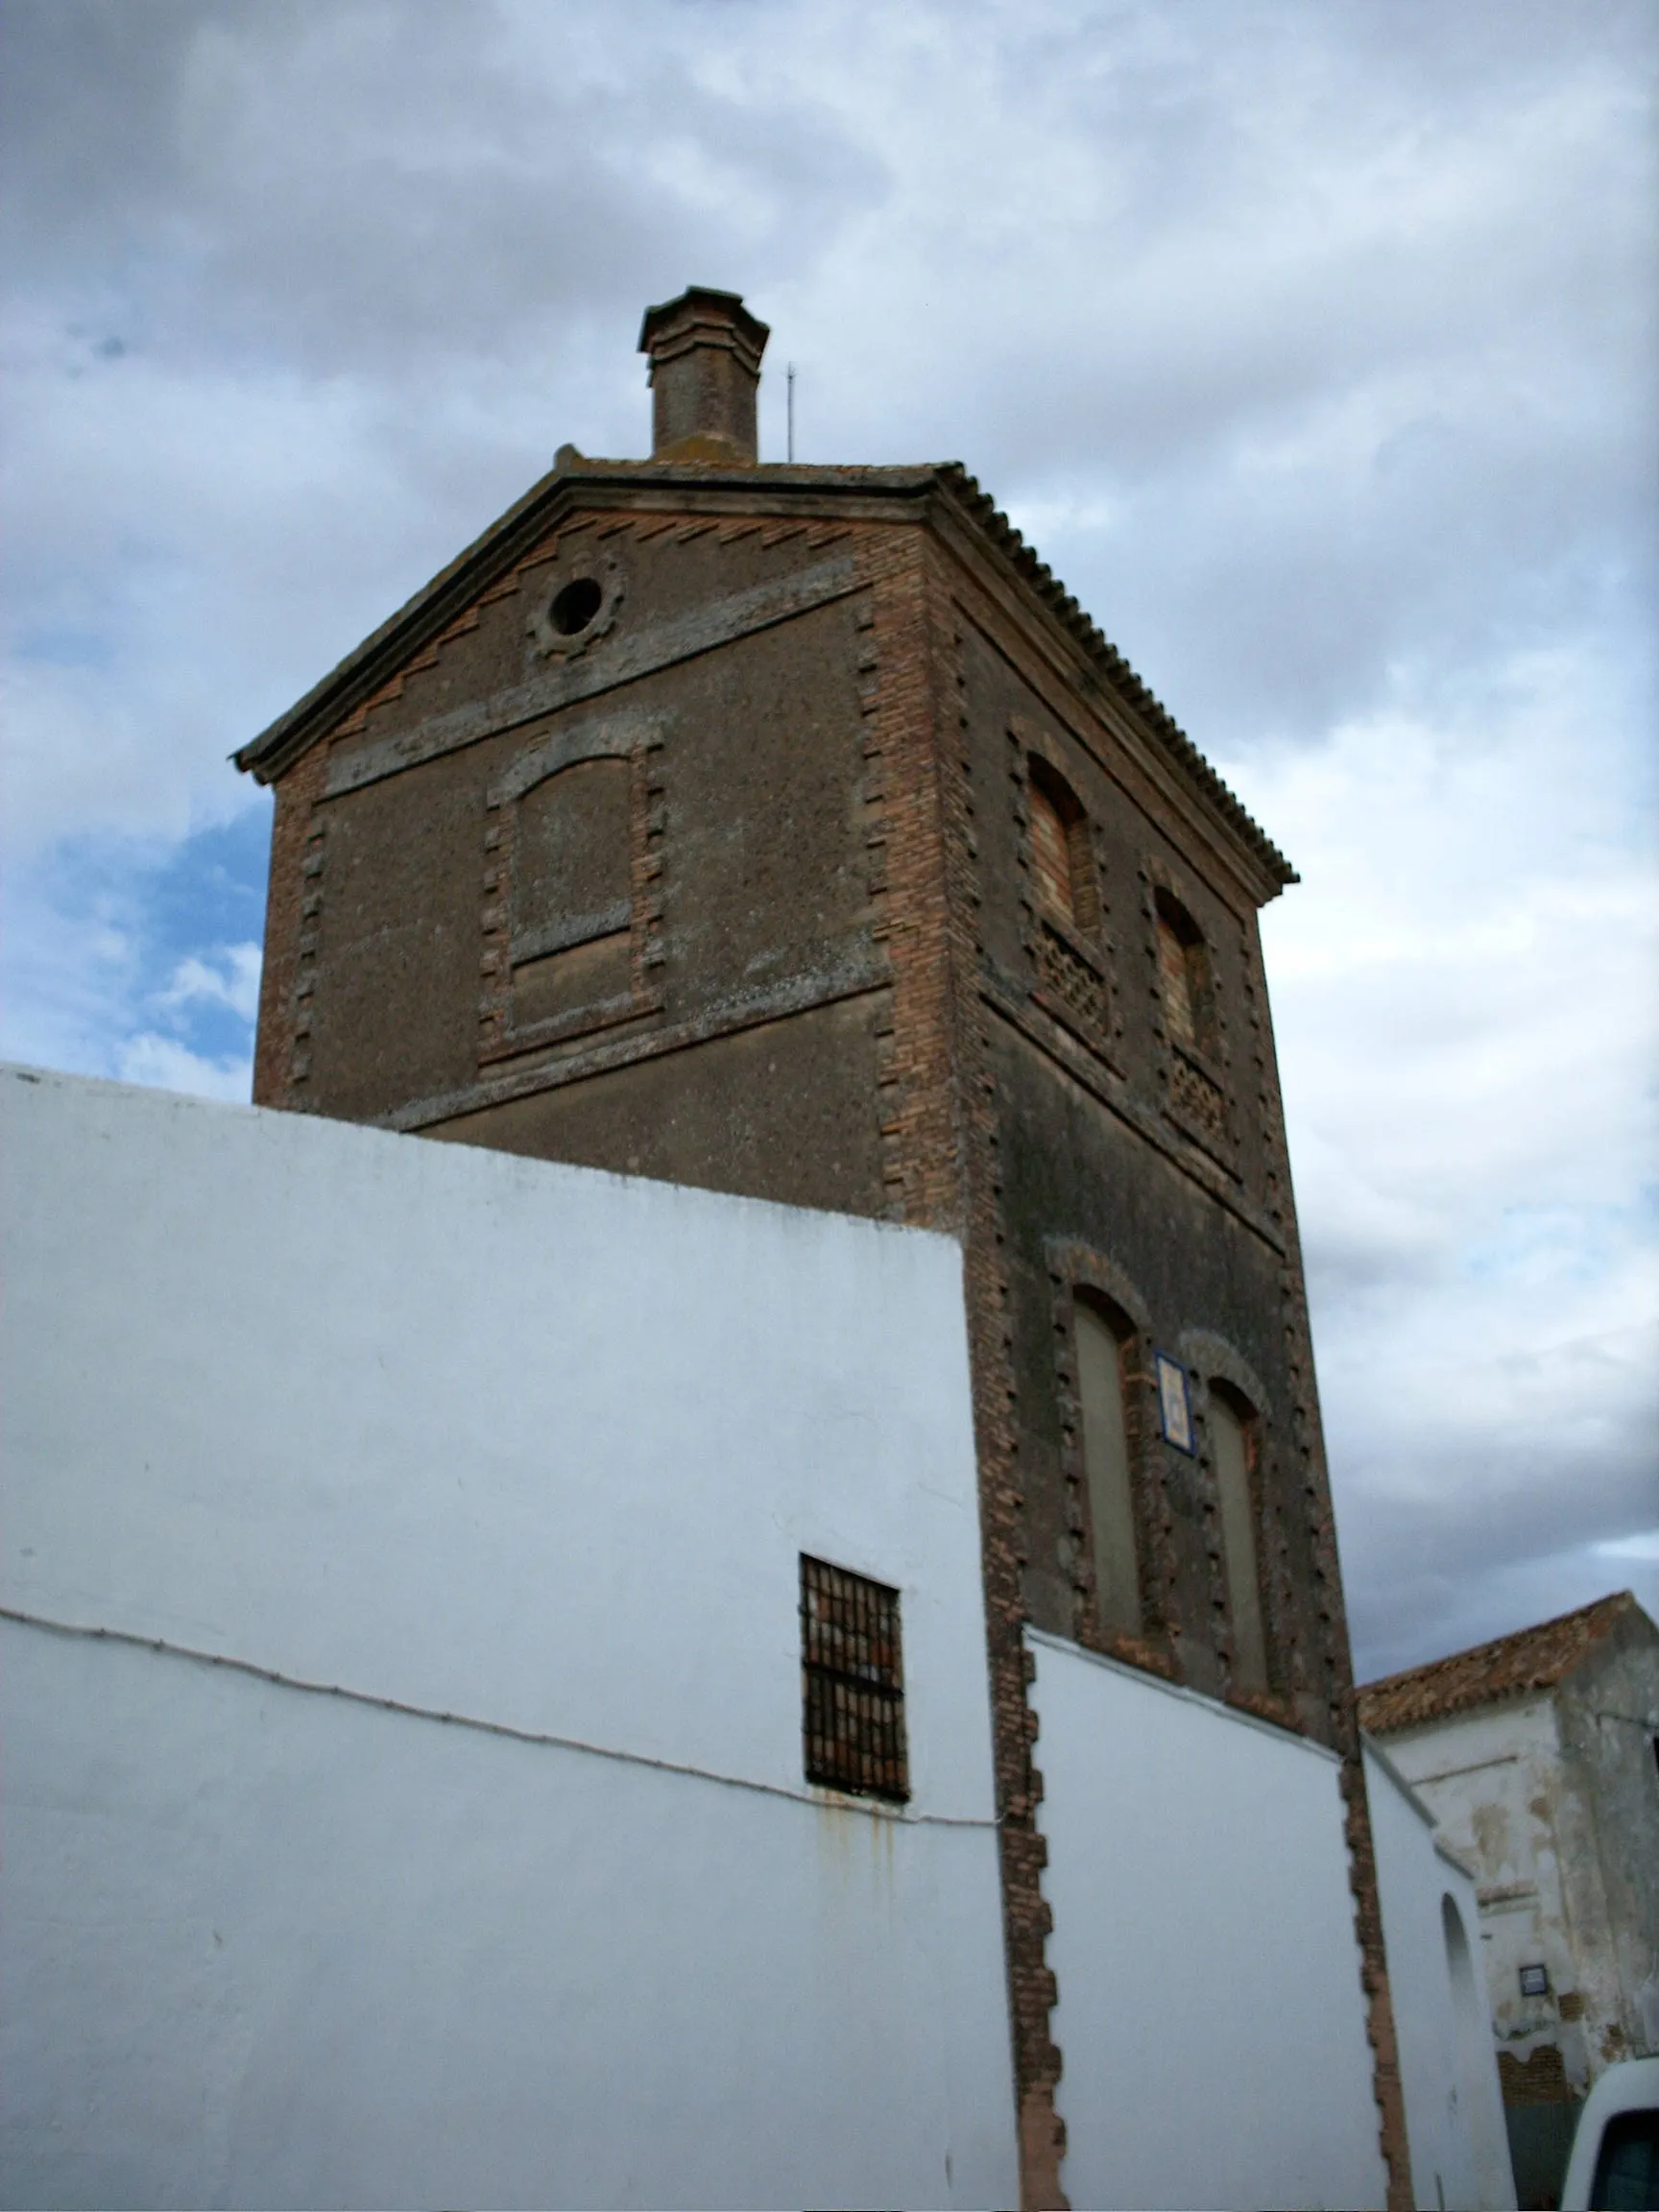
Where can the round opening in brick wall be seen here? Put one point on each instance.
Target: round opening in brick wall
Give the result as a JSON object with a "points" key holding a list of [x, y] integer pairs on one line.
{"points": [[575, 605], [566, 617]]}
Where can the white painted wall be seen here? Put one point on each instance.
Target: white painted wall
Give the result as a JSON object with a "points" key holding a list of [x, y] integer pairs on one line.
{"points": [[532, 1446], [1447, 2067], [1491, 1779], [1210, 2015]]}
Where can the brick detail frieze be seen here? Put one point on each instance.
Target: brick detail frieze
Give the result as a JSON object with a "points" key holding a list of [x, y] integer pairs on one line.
{"points": [[1093, 1074], [643, 649]]}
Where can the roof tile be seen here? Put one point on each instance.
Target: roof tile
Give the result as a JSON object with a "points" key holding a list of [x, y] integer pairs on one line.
{"points": [[1531, 1659]]}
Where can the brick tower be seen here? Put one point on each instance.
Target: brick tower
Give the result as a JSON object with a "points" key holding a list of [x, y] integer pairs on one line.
{"points": [[790, 831]]}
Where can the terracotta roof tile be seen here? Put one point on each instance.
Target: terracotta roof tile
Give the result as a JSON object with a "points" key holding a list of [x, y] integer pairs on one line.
{"points": [[1530, 1659]]}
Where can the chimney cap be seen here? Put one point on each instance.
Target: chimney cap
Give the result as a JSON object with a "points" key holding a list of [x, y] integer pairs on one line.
{"points": [[695, 318]]}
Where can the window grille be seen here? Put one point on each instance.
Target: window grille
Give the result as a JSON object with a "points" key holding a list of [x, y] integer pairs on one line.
{"points": [[852, 1682]]}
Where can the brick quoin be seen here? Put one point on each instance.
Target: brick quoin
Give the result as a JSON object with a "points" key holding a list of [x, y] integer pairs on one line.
{"points": [[290, 891]]}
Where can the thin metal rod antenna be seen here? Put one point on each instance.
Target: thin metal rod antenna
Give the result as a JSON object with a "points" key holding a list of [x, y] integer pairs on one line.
{"points": [[789, 388]]}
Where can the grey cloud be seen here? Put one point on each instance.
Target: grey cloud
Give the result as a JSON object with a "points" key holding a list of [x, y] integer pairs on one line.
{"points": [[1441, 1572], [1435, 1609], [1313, 340], [86, 98], [307, 183], [1344, 409]]}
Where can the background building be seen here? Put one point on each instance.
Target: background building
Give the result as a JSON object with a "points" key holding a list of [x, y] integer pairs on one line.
{"points": [[1537, 1755]]}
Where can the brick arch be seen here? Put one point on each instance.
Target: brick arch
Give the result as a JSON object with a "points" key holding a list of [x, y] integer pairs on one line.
{"points": [[1083, 1266], [1212, 1357], [612, 738]]}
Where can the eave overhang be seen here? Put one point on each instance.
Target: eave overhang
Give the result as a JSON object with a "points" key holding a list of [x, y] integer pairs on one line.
{"points": [[854, 494]]}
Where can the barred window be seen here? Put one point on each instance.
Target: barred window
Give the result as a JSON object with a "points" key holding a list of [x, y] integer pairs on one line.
{"points": [[852, 1682]]}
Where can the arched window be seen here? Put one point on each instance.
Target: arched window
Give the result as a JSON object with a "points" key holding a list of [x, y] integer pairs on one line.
{"points": [[571, 892], [1232, 1441], [1184, 975], [1107, 1470], [1062, 867]]}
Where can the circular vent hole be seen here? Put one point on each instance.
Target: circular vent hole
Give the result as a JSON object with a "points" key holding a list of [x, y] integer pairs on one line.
{"points": [[576, 606]]}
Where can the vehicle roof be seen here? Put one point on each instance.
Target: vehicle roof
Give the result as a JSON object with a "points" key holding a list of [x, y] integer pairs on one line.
{"points": [[1632, 2085]]}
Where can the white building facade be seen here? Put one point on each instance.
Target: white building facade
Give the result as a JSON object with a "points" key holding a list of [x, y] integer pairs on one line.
{"points": [[1536, 1755], [404, 1796], [522, 1899]]}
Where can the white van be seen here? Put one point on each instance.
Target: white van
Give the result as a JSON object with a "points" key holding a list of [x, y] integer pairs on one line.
{"points": [[1615, 2160]]}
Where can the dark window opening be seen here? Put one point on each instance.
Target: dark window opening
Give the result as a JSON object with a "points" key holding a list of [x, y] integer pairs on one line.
{"points": [[853, 1683], [1062, 866], [575, 605], [1183, 976]]}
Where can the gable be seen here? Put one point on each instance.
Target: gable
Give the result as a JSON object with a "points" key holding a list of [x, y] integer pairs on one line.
{"points": [[504, 662], [771, 506], [1530, 1660]]}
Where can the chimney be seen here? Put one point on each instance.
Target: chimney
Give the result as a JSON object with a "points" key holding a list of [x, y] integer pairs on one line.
{"points": [[705, 351]]}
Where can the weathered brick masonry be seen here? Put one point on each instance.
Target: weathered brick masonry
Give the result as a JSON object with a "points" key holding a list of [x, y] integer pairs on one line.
{"points": [[824, 963]]}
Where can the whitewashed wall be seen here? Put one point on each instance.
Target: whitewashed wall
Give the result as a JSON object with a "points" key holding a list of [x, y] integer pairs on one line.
{"points": [[1448, 2066], [539, 1448], [1210, 2012], [1492, 1780]]}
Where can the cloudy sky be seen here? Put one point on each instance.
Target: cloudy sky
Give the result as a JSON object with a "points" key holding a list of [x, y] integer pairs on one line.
{"points": [[1313, 344]]}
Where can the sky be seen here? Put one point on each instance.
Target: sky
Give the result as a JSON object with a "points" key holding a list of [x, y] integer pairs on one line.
{"points": [[1312, 342]]}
